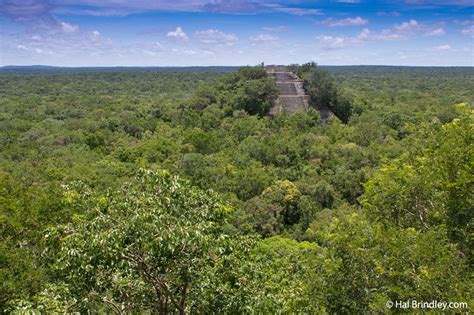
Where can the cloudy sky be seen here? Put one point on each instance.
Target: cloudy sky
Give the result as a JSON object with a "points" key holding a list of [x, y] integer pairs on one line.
{"points": [[236, 32]]}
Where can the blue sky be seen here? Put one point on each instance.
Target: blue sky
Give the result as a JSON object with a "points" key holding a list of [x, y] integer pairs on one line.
{"points": [[236, 32]]}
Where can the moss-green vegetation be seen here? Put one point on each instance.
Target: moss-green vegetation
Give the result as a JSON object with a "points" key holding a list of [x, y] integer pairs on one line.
{"points": [[105, 200]]}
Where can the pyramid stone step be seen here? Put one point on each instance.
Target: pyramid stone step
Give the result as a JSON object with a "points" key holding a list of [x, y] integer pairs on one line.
{"points": [[284, 76], [292, 95], [292, 104], [287, 88]]}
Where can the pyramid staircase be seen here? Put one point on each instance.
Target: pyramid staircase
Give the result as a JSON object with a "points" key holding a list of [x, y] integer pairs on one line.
{"points": [[292, 97]]}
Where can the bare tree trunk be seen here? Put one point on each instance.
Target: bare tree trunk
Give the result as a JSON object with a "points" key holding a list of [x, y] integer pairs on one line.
{"points": [[183, 297]]}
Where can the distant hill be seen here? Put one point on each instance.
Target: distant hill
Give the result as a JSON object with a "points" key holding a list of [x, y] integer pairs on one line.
{"points": [[41, 68], [387, 70]]}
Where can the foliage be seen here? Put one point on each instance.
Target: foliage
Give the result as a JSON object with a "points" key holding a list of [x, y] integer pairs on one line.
{"points": [[324, 91], [255, 91], [26, 209], [276, 208], [325, 216], [372, 264], [150, 245], [431, 186]]}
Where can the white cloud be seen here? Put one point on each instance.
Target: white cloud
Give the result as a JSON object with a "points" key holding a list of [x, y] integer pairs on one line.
{"points": [[214, 36], [150, 48], [345, 22], [439, 2], [398, 31], [149, 52], [154, 46], [464, 22], [65, 41], [386, 34], [402, 55], [442, 47], [388, 13], [407, 26], [298, 11], [127, 7], [178, 34], [69, 28], [194, 52], [468, 31], [401, 31], [275, 29], [338, 42], [264, 38], [436, 32], [95, 11], [364, 34]]}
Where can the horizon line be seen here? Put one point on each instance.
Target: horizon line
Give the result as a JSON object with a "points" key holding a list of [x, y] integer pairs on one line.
{"points": [[234, 66]]}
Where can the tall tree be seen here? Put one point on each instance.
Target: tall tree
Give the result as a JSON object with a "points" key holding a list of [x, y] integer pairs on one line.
{"points": [[155, 244]]}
